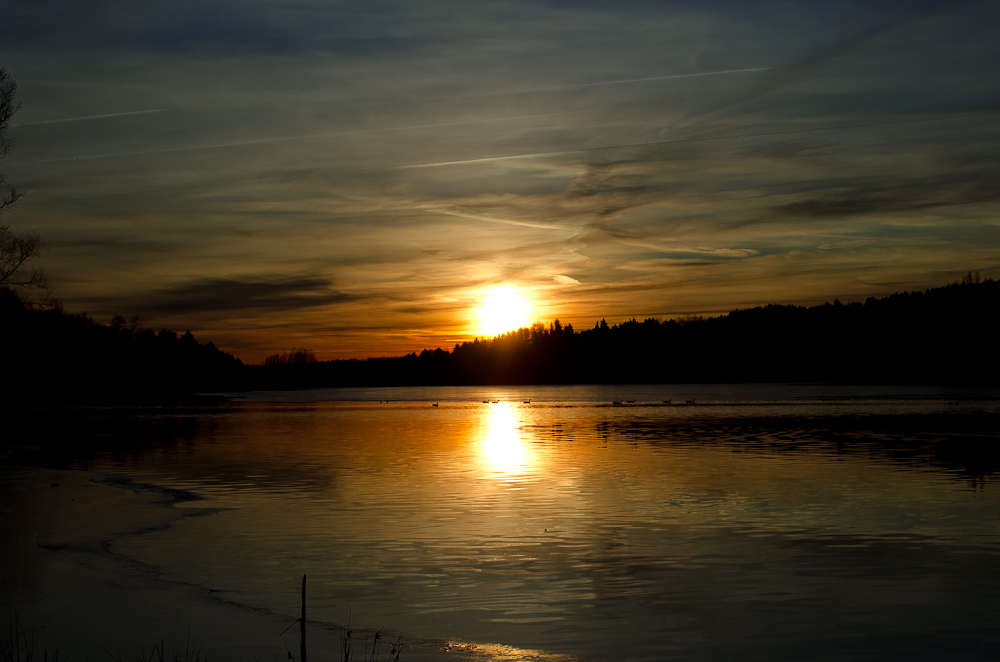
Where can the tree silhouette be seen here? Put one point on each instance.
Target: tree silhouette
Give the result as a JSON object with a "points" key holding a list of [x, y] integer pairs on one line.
{"points": [[937, 336], [8, 106], [17, 250]]}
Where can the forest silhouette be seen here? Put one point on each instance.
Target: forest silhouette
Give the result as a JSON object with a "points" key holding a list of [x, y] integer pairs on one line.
{"points": [[943, 335], [938, 336], [52, 356]]}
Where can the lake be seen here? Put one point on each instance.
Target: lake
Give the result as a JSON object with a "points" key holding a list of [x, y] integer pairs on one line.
{"points": [[756, 522]]}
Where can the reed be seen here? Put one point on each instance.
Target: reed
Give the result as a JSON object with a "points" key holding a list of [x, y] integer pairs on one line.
{"points": [[369, 652], [370, 645], [18, 645], [158, 653]]}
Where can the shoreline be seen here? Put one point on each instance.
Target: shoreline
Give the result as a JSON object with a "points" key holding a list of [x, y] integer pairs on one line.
{"points": [[65, 582], [74, 593]]}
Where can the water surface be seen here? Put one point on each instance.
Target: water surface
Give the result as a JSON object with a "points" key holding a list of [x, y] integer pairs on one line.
{"points": [[758, 522]]}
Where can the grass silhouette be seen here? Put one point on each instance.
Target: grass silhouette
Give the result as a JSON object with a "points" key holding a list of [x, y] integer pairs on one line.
{"points": [[18, 645]]}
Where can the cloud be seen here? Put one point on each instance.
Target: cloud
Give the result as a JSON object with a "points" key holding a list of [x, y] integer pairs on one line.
{"points": [[91, 117], [730, 136], [267, 141], [900, 194], [565, 280], [600, 158], [622, 81], [220, 27], [239, 294], [509, 221], [813, 63], [665, 247]]}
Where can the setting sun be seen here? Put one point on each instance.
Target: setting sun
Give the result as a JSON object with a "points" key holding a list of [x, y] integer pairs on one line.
{"points": [[503, 309]]}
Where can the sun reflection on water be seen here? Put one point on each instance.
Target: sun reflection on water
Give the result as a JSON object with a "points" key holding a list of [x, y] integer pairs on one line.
{"points": [[502, 450]]}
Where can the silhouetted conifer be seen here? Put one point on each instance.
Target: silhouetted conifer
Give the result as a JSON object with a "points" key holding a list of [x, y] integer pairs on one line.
{"points": [[940, 335], [51, 356]]}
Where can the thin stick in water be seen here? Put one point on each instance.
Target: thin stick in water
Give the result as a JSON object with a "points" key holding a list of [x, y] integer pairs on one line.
{"points": [[302, 624]]}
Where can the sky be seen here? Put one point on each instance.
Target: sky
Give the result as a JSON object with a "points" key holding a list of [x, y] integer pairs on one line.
{"points": [[357, 177]]}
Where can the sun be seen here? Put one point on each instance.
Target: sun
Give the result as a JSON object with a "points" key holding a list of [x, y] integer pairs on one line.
{"points": [[503, 309]]}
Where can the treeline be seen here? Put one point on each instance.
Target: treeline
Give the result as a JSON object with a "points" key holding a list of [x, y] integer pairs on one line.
{"points": [[944, 335], [51, 356]]}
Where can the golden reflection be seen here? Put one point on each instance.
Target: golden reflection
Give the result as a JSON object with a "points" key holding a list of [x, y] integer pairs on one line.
{"points": [[502, 450]]}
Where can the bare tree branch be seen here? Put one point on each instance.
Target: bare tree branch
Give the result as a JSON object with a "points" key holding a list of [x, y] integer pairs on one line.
{"points": [[8, 106], [16, 250]]}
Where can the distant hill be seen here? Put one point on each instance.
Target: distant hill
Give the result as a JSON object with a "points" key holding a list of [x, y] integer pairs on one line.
{"points": [[945, 335]]}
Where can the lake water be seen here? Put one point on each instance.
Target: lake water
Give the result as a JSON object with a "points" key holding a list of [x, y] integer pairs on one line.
{"points": [[758, 522]]}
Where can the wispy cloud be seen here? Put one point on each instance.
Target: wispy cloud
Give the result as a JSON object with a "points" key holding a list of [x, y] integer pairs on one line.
{"points": [[935, 117], [620, 81], [266, 141], [244, 294], [91, 117], [509, 221], [387, 163]]}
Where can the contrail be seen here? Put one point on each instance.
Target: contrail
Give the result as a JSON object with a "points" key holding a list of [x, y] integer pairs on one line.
{"points": [[801, 69], [262, 141], [508, 221], [541, 155], [622, 81], [514, 157], [92, 117]]}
